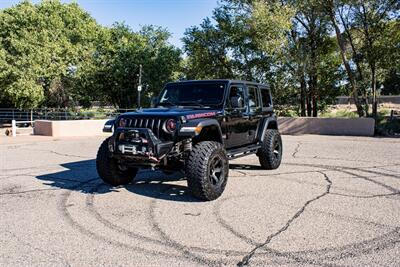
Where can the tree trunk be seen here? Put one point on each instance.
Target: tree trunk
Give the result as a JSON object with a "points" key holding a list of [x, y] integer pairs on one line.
{"points": [[373, 87], [346, 64], [303, 93], [356, 56], [313, 95], [314, 106], [308, 99]]}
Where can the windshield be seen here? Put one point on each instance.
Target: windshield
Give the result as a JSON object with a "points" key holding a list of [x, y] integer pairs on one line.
{"points": [[193, 94]]}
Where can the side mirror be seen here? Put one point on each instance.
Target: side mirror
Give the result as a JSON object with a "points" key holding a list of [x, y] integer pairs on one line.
{"points": [[237, 102], [153, 101]]}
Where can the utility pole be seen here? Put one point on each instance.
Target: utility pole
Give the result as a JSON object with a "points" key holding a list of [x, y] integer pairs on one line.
{"points": [[139, 88]]}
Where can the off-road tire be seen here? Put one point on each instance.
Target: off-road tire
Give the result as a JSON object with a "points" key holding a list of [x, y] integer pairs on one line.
{"points": [[199, 166], [270, 153], [109, 170]]}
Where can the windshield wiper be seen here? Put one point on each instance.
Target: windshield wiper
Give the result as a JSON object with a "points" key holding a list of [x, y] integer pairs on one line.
{"points": [[197, 103], [167, 101]]}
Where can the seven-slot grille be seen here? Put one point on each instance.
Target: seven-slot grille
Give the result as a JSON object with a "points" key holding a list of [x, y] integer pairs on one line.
{"points": [[151, 123]]}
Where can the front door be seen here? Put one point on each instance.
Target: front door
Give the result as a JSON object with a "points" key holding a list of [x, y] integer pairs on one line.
{"points": [[236, 119]]}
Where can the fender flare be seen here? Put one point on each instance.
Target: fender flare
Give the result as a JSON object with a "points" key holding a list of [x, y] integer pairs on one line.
{"points": [[264, 126], [108, 126], [190, 128]]}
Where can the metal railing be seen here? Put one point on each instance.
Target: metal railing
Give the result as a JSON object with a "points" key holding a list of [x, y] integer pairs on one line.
{"points": [[7, 115]]}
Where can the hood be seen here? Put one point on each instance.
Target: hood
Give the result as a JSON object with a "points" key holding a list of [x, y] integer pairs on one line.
{"points": [[164, 112]]}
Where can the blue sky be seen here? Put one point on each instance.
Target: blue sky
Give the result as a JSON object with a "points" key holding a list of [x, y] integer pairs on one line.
{"points": [[175, 15]]}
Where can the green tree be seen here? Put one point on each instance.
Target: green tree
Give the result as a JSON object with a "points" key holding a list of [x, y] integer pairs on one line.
{"points": [[114, 72], [40, 43], [207, 49], [365, 25], [286, 44]]}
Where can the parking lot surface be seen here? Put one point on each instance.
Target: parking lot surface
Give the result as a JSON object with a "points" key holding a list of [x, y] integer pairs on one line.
{"points": [[335, 201]]}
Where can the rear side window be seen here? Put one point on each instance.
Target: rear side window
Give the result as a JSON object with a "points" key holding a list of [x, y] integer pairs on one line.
{"points": [[254, 102], [266, 98]]}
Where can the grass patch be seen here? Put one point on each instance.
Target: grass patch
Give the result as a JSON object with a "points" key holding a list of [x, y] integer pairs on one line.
{"points": [[340, 113]]}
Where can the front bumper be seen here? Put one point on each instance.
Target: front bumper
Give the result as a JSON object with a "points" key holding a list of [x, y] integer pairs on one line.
{"points": [[139, 146]]}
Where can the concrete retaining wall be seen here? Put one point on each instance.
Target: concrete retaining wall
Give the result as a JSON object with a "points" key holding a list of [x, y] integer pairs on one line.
{"points": [[69, 128], [327, 126], [294, 126]]}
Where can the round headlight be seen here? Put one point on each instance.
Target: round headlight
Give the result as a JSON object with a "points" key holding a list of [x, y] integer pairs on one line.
{"points": [[122, 123], [170, 125]]}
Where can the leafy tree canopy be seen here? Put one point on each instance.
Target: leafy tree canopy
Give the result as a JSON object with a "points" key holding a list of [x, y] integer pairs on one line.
{"points": [[40, 44]]}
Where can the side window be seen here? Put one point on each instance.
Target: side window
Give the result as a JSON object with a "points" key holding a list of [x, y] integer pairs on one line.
{"points": [[266, 97], [254, 102], [236, 95]]}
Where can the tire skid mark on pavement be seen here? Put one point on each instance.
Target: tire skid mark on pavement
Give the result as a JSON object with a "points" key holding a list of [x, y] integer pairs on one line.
{"points": [[42, 189], [382, 173], [246, 259], [294, 180], [388, 170], [339, 159], [289, 256], [74, 224], [92, 209], [296, 256], [389, 195], [388, 240], [387, 243], [339, 168], [186, 251], [228, 227], [345, 169]]}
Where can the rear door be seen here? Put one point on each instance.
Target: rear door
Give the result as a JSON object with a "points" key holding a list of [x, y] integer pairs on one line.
{"points": [[254, 111]]}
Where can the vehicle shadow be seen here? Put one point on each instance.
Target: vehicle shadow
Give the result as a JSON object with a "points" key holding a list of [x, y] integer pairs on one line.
{"points": [[82, 176]]}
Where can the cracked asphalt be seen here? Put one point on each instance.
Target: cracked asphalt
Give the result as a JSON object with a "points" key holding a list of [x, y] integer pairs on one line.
{"points": [[335, 201]]}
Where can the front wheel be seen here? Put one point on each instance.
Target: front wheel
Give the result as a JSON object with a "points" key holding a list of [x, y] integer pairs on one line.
{"points": [[270, 153], [109, 170], [207, 170]]}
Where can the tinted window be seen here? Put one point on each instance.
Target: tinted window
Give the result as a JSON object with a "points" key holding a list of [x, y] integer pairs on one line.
{"points": [[193, 93], [236, 91], [253, 98], [266, 98]]}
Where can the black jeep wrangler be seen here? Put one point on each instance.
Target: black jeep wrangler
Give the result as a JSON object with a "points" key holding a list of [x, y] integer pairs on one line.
{"points": [[195, 127]]}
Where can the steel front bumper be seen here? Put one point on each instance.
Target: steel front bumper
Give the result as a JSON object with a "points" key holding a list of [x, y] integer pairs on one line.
{"points": [[139, 146]]}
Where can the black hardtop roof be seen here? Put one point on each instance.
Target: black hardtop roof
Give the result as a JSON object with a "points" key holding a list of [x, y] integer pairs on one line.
{"points": [[228, 81]]}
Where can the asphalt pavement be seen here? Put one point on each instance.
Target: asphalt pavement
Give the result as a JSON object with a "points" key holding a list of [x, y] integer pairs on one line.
{"points": [[335, 201]]}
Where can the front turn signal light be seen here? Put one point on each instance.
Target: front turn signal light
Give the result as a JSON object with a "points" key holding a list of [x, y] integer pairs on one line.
{"points": [[198, 129]]}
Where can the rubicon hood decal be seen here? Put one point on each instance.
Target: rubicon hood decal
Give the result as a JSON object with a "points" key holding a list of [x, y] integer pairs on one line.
{"points": [[200, 115]]}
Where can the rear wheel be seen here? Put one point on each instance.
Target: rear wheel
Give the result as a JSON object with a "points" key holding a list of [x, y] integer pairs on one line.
{"points": [[270, 153], [207, 170], [109, 170]]}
